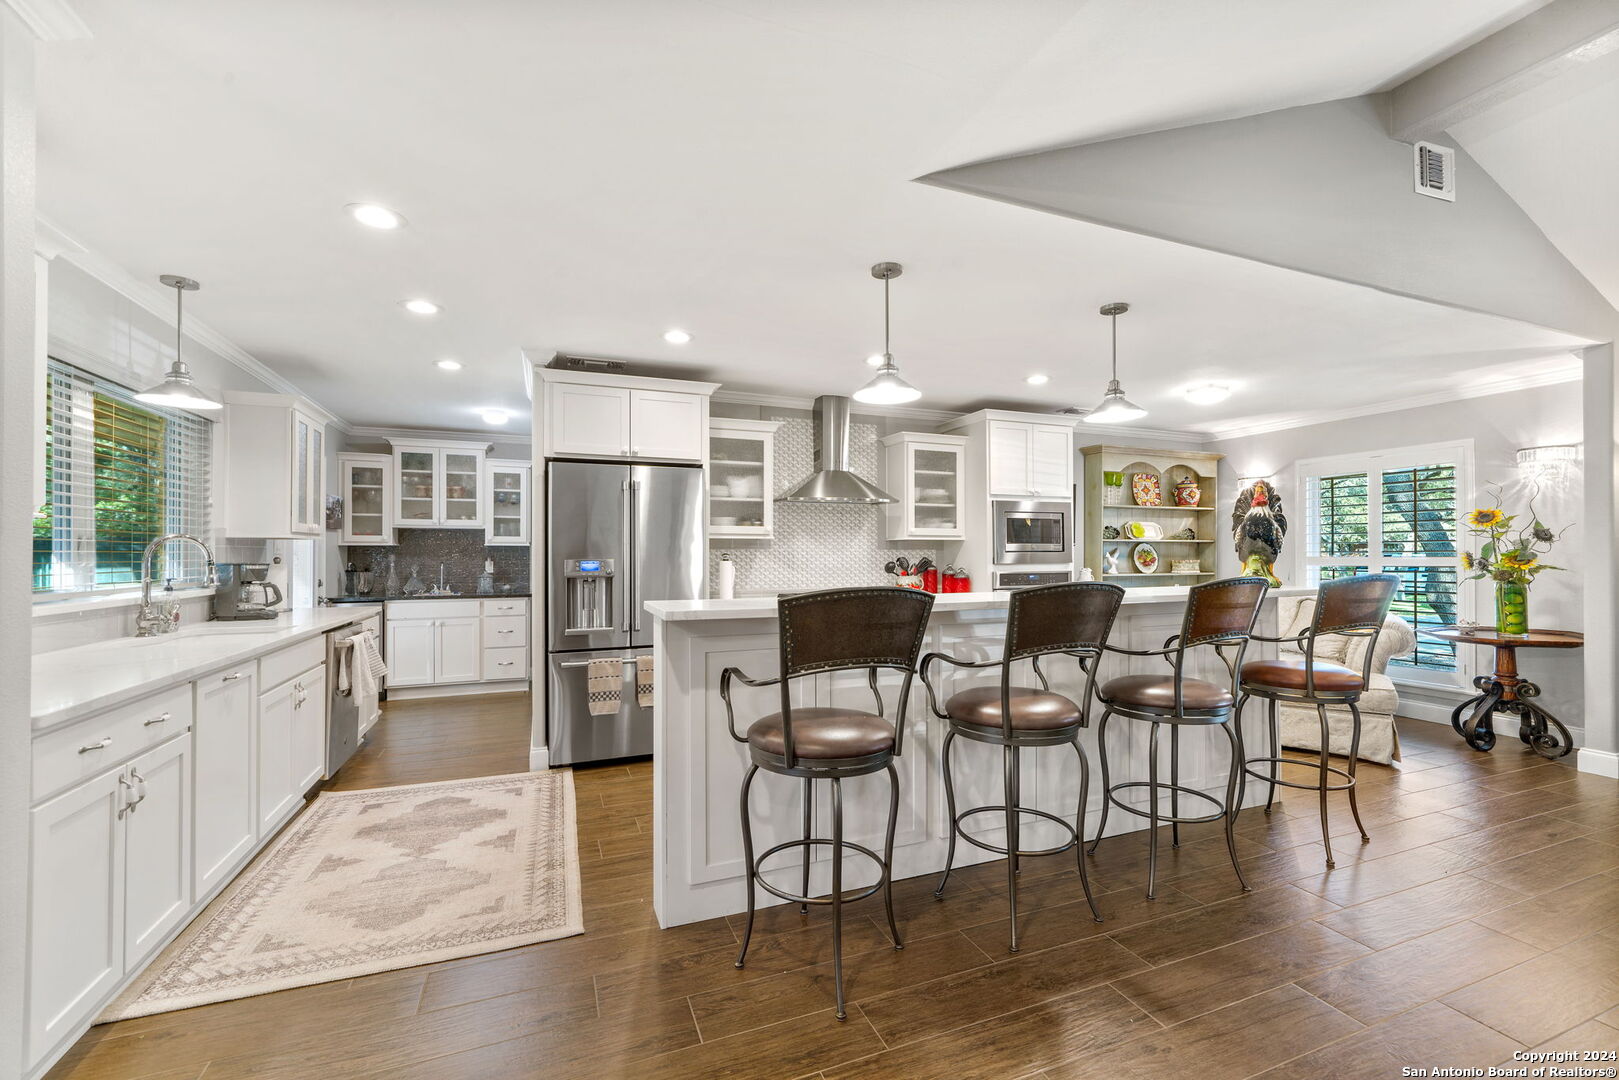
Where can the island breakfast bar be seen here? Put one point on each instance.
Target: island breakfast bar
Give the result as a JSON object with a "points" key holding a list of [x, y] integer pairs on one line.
{"points": [[698, 866]]}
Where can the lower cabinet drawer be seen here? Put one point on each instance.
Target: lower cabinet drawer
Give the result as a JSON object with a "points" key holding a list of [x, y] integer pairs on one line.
{"points": [[87, 747], [505, 631], [505, 664], [283, 664]]}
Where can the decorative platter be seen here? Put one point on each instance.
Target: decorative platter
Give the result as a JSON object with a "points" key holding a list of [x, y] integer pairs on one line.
{"points": [[1145, 556], [1147, 489]]}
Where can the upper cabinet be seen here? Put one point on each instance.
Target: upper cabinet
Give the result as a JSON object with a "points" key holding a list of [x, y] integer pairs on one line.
{"points": [[506, 495], [439, 485], [924, 473], [741, 467], [1031, 460], [275, 466], [367, 484], [621, 416]]}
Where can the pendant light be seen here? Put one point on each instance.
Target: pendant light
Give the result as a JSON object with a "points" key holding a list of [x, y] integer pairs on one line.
{"points": [[178, 389], [887, 388], [1115, 407]]}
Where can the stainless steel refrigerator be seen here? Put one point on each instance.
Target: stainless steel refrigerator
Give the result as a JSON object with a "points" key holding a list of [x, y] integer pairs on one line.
{"points": [[616, 537]]}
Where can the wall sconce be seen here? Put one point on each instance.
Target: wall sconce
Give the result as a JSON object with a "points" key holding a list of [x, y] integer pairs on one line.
{"points": [[1547, 464]]}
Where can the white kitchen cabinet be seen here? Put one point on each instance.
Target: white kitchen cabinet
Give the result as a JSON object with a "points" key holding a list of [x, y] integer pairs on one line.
{"points": [[411, 644], [506, 495], [439, 485], [588, 419], [741, 471], [275, 467], [157, 864], [291, 745], [623, 416], [667, 425], [367, 485], [309, 732], [924, 474], [225, 824], [76, 940], [1030, 460], [457, 650]]}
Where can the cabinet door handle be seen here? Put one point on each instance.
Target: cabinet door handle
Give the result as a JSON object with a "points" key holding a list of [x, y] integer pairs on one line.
{"points": [[157, 720], [230, 677], [123, 795], [102, 745], [140, 787]]}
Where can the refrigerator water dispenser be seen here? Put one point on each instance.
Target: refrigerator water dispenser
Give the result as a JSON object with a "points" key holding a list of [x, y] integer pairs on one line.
{"points": [[590, 584]]}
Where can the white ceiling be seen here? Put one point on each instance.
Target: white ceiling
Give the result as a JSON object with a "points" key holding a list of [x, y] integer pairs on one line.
{"points": [[581, 175], [1555, 150]]}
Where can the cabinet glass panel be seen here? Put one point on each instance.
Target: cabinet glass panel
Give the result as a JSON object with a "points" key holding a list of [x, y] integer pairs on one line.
{"points": [[935, 477], [416, 485], [366, 512], [300, 507], [317, 469], [736, 486], [461, 487], [507, 503]]}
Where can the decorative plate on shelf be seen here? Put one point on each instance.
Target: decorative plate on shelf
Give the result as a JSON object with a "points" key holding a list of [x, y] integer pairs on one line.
{"points": [[1145, 556], [1147, 489], [1143, 530]]}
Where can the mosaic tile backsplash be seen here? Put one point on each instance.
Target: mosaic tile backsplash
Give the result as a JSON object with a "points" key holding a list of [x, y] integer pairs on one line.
{"points": [[816, 547], [461, 550]]}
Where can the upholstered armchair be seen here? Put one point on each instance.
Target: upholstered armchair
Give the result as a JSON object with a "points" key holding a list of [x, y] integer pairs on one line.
{"points": [[1301, 728]]}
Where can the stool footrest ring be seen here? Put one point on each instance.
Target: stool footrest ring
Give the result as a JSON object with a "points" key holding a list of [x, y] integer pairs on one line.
{"points": [[1166, 819], [1247, 767], [848, 898], [1073, 837]]}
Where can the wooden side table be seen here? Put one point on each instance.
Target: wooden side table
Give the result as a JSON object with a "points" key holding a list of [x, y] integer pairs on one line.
{"points": [[1506, 691]]}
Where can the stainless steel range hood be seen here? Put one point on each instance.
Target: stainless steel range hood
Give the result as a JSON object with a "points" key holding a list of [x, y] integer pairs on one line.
{"points": [[832, 482]]}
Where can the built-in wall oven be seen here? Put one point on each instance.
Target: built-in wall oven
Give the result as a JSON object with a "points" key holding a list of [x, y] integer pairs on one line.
{"points": [[1032, 531]]}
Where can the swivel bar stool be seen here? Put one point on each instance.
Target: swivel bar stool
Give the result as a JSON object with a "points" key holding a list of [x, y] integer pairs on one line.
{"points": [[839, 630], [1353, 607], [1073, 618], [1219, 614]]}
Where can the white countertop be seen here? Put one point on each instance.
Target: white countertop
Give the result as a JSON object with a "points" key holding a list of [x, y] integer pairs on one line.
{"points": [[72, 683], [764, 607]]}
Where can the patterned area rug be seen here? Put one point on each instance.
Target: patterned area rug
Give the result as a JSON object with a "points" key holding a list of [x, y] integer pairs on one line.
{"points": [[368, 881]]}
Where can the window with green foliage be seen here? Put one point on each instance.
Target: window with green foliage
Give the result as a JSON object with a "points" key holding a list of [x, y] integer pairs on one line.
{"points": [[1394, 512], [118, 474]]}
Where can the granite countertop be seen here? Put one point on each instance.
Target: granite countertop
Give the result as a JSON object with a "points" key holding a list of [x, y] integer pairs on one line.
{"points": [[379, 598], [72, 683]]}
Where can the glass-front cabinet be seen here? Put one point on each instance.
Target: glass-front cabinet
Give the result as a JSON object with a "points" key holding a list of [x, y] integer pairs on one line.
{"points": [[741, 483], [923, 473], [438, 485], [366, 481], [308, 475], [506, 489]]}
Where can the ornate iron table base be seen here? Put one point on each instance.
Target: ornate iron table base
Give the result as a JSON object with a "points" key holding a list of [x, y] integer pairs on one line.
{"points": [[1540, 730]]}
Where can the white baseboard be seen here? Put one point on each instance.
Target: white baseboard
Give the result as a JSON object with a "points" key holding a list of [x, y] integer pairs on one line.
{"points": [[539, 758], [416, 693], [1599, 762], [1437, 712]]}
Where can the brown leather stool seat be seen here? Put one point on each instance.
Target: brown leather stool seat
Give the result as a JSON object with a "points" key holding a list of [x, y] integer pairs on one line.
{"points": [[1158, 692], [1032, 709], [825, 734], [1290, 675]]}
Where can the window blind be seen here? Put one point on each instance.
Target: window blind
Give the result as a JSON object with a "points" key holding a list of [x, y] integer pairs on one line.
{"points": [[118, 475]]}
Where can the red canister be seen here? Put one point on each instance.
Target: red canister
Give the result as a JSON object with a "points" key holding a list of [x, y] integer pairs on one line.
{"points": [[963, 582], [930, 580]]}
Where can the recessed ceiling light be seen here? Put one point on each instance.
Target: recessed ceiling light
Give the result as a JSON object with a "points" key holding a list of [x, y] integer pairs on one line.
{"points": [[1037, 379], [1207, 393], [448, 365], [676, 337], [495, 416], [378, 217], [874, 360], [420, 307]]}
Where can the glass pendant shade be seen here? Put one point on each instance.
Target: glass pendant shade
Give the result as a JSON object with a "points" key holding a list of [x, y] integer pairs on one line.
{"points": [[887, 388], [1115, 408], [178, 390]]}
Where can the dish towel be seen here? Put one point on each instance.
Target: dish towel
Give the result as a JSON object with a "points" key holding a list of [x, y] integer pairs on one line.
{"points": [[368, 663], [345, 668], [643, 681], [605, 686]]}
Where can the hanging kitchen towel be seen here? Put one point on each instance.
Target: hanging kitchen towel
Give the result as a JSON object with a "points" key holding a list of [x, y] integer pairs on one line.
{"points": [[643, 681], [605, 686], [345, 670], [368, 663]]}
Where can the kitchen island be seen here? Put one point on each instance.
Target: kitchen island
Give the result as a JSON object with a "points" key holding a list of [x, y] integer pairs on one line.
{"points": [[698, 870]]}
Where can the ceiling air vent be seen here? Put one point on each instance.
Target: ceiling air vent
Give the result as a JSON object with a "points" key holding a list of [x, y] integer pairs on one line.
{"points": [[1435, 170]]}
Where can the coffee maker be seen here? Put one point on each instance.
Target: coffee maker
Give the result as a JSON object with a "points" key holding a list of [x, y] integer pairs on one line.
{"points": [[233, 597]]}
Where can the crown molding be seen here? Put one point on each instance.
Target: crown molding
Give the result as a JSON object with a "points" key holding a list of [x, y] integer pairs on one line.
{"points": [[49, 241], [400, 434], [50, 20], [159, 302], [1551, 372]]}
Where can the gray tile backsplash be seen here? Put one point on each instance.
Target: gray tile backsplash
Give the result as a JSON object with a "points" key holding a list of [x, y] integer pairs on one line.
{"points": [[461, 550]]}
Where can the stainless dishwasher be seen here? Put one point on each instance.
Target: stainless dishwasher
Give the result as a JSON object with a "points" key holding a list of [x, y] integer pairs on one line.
{"points": [[344, 707]]}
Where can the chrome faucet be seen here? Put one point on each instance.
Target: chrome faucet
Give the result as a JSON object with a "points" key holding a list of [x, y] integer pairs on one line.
{"points": [[149, 622]]}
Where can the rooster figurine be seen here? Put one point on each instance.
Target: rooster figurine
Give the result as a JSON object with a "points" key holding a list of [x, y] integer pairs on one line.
{"points": [[1257, 526]]}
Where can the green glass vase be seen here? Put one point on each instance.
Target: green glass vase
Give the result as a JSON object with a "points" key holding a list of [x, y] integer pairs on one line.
{"points": [[1511, 607]]}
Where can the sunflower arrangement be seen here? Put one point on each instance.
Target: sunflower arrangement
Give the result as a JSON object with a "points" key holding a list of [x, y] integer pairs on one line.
{"points": [[1511, 553]]}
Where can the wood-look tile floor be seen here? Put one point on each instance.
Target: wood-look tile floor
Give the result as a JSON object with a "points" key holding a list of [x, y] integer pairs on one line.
{"points": [[1482, 919]]}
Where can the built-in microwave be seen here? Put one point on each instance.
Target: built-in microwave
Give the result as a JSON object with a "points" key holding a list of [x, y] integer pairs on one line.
{"points": [[1031, 531]]}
